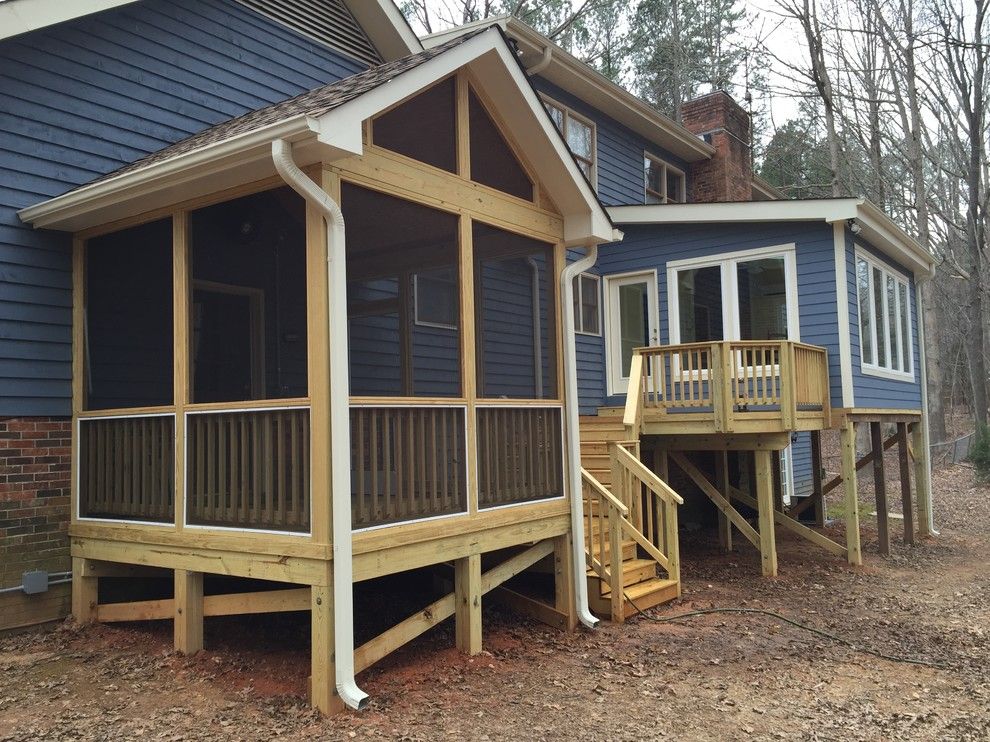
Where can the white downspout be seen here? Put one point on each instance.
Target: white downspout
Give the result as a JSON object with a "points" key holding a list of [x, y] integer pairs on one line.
{"points": [[543, 63], [537, 328], [573, 436], [340, 433]]}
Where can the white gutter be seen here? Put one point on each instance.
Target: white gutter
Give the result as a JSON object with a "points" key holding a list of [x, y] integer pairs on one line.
{"points": [[340, 435], [573, 436], [537, 328]]}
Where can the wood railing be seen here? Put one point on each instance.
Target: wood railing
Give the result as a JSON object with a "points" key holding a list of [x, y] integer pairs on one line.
{"points": [[407, 463], [248, 469], [127, 468], [520, 454], [641, 507], [728, 381]]}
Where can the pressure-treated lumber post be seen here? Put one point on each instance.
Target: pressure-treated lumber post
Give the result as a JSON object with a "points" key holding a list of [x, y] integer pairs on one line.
{"points": [[323, 683], [85, 595], [922, 484], [615, 565], [467, 598], [847, 438], [722, 481], [817, 492], [188, 627], [563, 580], [905, 470], [764, 500], [880, 488]]}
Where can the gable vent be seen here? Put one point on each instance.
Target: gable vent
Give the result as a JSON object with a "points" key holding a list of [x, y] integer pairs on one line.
{"points": [[326, 21]]}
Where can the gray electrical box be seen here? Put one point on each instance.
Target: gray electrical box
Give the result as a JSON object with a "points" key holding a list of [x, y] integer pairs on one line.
{"points": [[35, 582]]}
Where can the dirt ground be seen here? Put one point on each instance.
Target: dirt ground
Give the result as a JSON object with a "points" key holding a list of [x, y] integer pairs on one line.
{"points": [[719, 676]]}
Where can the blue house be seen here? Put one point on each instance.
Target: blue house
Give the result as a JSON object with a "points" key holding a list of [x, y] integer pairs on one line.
{"points": [[292, 296]]}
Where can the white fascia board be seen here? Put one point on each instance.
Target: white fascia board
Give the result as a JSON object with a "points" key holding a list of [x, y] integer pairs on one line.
{"points": [[827, 210], [577, 78], [499, 74], [881, 231], [22, 16], [387, 28], [142, 189]]}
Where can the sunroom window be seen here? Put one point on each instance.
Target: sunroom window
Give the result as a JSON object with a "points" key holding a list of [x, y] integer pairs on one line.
{"points": [[665, 184], [884, 318], [580, 135]]}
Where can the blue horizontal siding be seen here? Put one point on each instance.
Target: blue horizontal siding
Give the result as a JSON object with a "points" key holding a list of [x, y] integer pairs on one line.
{"points": [[621, 179], [83, 98], [803, 472], [870, 390], [649, 247]]}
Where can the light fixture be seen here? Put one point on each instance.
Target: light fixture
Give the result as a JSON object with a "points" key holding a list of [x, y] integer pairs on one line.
{"points": [[854, 226]]}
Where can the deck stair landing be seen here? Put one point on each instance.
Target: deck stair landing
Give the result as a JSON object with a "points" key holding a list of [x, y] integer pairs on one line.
{"points": [[625, 504]]}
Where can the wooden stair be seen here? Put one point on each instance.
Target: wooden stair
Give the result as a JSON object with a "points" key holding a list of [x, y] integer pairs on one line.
{"points": [[641, 582]]}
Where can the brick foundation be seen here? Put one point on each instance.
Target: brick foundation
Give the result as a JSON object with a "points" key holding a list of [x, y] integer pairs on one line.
{"points": [[723, 123], [35, 455]]}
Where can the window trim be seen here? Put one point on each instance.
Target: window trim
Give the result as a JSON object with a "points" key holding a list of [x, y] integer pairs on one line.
{"points": [[730, 288], [569, 113], [415, 302], [875, 369], [578, 295], [664, 197]]}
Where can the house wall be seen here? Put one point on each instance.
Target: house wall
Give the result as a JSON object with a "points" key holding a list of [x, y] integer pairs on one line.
{"points": [[85, 97], [872, 391], [649, 247], [621, 177]]}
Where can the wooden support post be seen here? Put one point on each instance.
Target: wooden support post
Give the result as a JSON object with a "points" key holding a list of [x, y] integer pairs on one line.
{"points": [[880, 488], [847, 437], [615, 567], [722, 482], [323, 682], [817, 493], [188, 626], [85, 593], [905, 470], [467, 600], [922, 483], [764, 499], [563, 580]]}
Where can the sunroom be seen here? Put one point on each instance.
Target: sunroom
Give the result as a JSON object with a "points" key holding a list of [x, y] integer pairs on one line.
{"points": [[324, 342]]}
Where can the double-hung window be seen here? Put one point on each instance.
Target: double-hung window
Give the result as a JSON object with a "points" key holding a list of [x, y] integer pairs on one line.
{"points": [[884, 298], [665, 184], [587, 305], [580, 135]]}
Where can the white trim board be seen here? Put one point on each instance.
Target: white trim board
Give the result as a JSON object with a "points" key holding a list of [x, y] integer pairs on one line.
{"points": [[842, 312]]}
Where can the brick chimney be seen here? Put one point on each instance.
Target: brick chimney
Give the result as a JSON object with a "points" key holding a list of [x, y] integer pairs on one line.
{"points": [[725, 125]]}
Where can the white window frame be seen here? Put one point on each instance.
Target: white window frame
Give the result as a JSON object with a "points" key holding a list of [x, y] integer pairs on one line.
{"points": [[875, 369], [579, 296], [664, 196], [569, 113], [425, 323], [730, 288], [615, 382]]}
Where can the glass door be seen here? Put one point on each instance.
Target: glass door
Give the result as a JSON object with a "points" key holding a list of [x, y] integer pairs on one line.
{"points": [[632, 322]]}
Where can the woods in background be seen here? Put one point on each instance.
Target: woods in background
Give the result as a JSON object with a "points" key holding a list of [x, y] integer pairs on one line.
{"points": [[886, 99]]}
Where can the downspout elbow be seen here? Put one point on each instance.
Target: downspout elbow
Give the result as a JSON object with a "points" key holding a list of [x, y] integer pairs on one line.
{"points": [[580, 586], [543, 63], [340, 444]]}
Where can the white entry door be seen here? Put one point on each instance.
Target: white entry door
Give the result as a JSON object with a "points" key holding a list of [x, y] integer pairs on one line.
{"points": [[632, 321]]}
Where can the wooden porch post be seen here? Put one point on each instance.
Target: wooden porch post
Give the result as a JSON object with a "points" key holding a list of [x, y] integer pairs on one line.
{"points": [[847, 437], [922, 484], [722, 481], [817, 491], [323, 682], [85, 595], [467, 602], [765, 502], [188, 626], [880, 488], [563, 580], [181, 330], [905, 472]]}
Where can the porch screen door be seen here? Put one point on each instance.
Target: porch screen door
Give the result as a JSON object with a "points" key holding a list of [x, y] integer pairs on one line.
{"points": [[632, 322]]}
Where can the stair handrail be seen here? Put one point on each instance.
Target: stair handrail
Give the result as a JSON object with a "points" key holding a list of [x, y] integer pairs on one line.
{"points": [[614, 516], [659, 487], [632, 415]]}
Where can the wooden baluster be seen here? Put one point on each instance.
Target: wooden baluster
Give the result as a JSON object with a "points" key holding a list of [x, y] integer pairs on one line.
{"points": [[423, 443], [376, 486], [397, 507]]}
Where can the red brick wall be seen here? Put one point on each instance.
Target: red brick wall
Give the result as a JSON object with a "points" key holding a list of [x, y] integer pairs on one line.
{"points": [[34, 496], [726, 126]]}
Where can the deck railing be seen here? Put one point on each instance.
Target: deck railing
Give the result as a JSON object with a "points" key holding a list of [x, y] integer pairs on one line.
{"points": [[407, 463], [728, 381]]}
